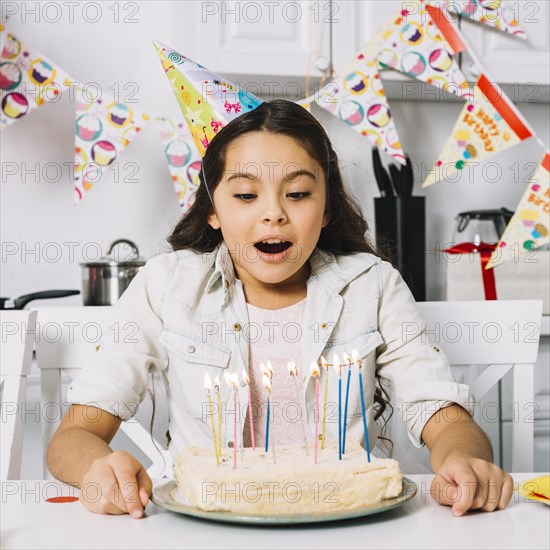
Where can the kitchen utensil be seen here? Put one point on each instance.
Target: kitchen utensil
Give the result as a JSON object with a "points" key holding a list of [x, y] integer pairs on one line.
{"points": [[407, 176], [382, 178], [477, 226], [22, 301], [397, 179], [104, 281]]}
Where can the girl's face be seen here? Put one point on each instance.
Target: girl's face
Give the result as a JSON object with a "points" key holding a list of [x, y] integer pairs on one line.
{"points": [[271, 190]]}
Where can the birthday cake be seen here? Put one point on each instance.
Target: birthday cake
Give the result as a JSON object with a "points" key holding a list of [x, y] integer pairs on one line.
{"points": [[287, 481]]}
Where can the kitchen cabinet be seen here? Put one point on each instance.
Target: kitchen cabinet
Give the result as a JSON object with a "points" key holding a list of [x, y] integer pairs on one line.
{"points": [[522, 64], [278, 38]]}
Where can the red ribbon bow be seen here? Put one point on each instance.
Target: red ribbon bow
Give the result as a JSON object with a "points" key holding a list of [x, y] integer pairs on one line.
{"points": [[485, 250]]}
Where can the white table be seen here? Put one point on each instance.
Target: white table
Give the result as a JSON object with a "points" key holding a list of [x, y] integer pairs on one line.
{"points": [[28, 521]]}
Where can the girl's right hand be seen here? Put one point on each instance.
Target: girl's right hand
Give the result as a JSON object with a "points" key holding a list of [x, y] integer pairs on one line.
{"points": [[116, 484]]}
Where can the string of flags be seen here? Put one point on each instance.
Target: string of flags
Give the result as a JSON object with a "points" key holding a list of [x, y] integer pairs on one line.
{"points": [[419, 40]]}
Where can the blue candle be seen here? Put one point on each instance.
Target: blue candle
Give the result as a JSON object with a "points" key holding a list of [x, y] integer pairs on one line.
{"points": [[348, 361], [338, 369], [363, 412], [267, 427]]}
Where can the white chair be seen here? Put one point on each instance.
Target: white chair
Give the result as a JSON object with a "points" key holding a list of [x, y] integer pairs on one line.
{"points": [[503, 336], [17, 329], [66, 338]]}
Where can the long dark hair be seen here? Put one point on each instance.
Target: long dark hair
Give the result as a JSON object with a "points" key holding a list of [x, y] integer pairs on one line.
{"points": [[347, 230]]}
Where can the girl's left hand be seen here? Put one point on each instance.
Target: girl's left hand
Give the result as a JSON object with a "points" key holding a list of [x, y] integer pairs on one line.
{"points": [[472, 484]]}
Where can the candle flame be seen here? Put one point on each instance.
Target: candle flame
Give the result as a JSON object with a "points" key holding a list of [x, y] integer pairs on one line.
{"points": [[207, 383], [324, 362], [315, 370], [266, 382], [356, 358], [246, 378], [292, 368], [269, 369], [217, 383], [232, 379], [347, 359], [337, 365]]}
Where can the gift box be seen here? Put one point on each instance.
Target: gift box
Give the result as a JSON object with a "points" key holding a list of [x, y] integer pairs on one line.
{"points": [[526, 277]]}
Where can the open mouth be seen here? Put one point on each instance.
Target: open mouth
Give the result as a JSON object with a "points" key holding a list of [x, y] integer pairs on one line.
{"points": [[273, 248]]}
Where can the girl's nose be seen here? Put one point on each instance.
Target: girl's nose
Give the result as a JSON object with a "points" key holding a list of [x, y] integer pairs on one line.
{"points": [[274, 212]]}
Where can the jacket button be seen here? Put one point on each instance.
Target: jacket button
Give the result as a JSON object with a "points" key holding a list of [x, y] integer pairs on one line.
{"points": [[324, 326], [191, 349], [237, 327], [230, 444], [437, 349]]}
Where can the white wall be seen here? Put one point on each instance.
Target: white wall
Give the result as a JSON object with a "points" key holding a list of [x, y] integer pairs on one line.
{"points": [[37, 214]]}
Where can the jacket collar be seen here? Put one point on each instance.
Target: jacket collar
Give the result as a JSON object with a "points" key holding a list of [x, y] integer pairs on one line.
{"points": [[334, 272]]}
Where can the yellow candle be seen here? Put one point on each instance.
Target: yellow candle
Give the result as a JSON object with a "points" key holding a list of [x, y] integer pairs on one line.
{"points": [[217, 388], [323, 436], [207, 386]]}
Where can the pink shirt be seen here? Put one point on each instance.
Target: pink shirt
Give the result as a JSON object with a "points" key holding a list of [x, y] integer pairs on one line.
{"points": [[276, 335]]}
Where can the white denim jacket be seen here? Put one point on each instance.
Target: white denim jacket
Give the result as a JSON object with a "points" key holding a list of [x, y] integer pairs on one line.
{"points": [[191, 315]]}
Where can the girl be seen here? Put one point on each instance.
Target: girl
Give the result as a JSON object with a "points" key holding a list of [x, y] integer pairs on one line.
{"points": [[270, 262]]}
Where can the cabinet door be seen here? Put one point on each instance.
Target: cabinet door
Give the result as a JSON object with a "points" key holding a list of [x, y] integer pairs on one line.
{"points": [[511, 60]]}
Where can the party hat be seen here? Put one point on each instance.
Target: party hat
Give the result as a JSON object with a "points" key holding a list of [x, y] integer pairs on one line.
{"points": [[207, 100]]}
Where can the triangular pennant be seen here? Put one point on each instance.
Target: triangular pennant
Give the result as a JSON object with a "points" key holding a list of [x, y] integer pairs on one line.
{"points": [[207, 100], [103, 129], [487, 125], [27, 79], [412, 43], [359, 100], [498, 14], [528, 229], [182, 156]]}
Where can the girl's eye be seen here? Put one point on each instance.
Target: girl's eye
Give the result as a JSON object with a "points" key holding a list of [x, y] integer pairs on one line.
{"points": [[297, 196], [247, 197]]}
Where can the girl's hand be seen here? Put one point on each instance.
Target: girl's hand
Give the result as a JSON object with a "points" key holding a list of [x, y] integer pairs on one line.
{"points": [[472, 484], [116, 484]]}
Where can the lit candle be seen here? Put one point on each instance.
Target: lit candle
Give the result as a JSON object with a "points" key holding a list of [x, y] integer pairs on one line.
{"points": [[323, 432], [338, 369], [316, 372], [357, 361], [347, 359], [267, 371], [233, 380], [207, 387], [267, 386], [219, 398], [293, 371], [250, 415]]}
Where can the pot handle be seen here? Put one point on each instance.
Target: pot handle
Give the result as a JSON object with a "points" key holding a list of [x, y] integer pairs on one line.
{"points": [[131, 244], [22, 301]]}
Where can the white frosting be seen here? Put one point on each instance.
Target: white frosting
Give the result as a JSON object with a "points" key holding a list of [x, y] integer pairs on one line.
{"points": [[291, 485]]}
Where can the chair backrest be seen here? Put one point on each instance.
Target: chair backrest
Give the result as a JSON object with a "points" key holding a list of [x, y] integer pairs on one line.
{"points": [[489, 332], [499, 335], [17, 341], [66, 340]]}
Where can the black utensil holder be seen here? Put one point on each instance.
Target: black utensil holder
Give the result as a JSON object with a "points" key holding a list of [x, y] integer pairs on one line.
{"points": [[401, 234]]}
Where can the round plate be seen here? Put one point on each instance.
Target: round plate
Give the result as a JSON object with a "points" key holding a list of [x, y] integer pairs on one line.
{"points": [[167, 496]]}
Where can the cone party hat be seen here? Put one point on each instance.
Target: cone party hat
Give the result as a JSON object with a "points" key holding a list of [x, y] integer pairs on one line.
{"points": [[207, 100]]}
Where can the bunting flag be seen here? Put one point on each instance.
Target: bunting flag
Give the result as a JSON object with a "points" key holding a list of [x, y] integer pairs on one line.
{"points": [[184, 161], [498, 14], [487, 125], [27, 79], [104, 128], [359, 100], [529, 226], [207, 100], [413, 43]]}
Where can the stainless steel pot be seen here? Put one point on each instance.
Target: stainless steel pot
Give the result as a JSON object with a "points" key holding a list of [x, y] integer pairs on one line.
{"points": [[104, 281]]}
